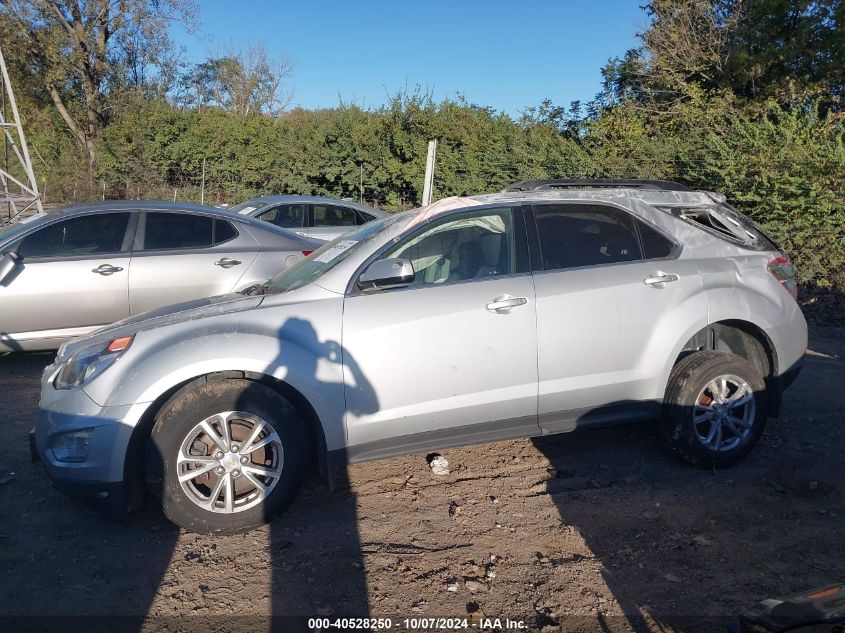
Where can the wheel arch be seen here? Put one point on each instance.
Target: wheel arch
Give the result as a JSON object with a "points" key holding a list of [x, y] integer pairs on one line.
{"points": [[134, 467], [742, 338]]}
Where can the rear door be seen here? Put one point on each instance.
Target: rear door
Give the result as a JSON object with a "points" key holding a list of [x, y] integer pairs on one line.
{"points": [[71, 278], [608, 287], [327, 221], [181, 256]]}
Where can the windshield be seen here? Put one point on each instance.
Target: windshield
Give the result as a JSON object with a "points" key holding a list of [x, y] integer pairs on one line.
{"points": [[246, 207], [13, 230], [329, 255]]}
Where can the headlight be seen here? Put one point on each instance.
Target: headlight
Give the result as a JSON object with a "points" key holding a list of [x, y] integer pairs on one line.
{"points": [[89, 362]]}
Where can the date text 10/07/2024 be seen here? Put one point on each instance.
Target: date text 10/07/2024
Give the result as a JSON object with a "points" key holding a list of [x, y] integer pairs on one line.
{"points": [[423, 624]]}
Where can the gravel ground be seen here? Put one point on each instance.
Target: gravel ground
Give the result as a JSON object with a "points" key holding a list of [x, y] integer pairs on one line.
{"points": [[591, 531]]}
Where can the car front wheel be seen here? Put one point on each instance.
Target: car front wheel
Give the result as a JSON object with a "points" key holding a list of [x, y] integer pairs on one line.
{"points": [[714, 410], [225, 456]]}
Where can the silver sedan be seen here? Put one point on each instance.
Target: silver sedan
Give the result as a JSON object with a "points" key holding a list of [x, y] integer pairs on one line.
{"points": [[64, 274], [312, 216]]}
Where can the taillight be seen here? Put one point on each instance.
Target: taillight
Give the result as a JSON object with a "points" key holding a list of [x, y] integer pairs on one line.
{"points": [[781, 268], [307, 253]]}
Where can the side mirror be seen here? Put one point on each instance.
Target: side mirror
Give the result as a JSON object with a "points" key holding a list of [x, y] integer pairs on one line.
{"points": [[7, 264], [387, 273]]}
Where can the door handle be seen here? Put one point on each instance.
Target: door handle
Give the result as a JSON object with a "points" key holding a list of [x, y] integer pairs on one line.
{"points": [[505, 303], [226, 262], [659, 279], [106, 269]]}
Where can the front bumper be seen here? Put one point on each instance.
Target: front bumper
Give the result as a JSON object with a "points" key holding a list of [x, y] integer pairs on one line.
{"points": [[99, 479]]}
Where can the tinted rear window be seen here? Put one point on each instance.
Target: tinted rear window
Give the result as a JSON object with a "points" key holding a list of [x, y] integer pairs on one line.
{"points": [[331, 215], [177, 230], [573, 235]]}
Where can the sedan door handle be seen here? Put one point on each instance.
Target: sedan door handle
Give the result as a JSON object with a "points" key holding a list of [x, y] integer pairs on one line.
{"points": [[505, 303], [226, 262], [106, 269], [660, 279]]}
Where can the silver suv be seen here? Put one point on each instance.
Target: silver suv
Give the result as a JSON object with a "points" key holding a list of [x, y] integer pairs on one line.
{"points": [[548, 307]]}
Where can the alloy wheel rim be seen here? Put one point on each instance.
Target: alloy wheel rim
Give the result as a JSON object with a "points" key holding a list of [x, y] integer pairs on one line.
{"points": [[229, 462], [724, 413]]}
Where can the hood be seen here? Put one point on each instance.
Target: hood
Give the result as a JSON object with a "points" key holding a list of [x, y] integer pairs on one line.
{"points": [[167, 315]]}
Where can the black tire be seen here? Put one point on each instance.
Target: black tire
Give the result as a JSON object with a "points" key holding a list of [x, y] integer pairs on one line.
{"points": [[687, 380], [183, 412]]}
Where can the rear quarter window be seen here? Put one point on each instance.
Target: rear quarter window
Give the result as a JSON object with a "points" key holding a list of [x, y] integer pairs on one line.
{"points": [[223, 231], [655, 245], [728, 224]]}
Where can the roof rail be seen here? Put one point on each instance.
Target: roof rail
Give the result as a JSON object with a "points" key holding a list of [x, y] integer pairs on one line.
{"points": [[591, 183]]}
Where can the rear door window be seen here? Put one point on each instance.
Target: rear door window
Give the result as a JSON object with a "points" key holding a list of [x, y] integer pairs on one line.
{"points": [[333, 215], [98, 233], [167, 231], [286, 216], [575, 235]]}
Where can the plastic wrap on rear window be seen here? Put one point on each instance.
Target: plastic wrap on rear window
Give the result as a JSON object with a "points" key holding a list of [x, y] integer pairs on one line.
{"points": [[729, 224]]}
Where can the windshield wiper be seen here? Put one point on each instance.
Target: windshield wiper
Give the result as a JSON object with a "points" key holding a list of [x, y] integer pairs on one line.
{"points": [[256, 289]]}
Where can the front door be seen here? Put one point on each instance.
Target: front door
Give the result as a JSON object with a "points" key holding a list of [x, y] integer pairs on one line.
{"points": [[452, 358], [71, 278]]}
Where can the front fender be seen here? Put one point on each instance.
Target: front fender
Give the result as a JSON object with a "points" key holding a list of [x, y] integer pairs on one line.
{"points": [[274, 341]]}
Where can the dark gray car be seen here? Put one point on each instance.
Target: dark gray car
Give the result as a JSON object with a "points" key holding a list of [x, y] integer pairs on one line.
{"points": [[64, 274], [312, 216]]}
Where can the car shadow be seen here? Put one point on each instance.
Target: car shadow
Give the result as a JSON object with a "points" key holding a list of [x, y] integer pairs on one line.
{"points": [[644, 539], [318, 566], [687, 549], [310, 553], [65, 567], [69, 569]]}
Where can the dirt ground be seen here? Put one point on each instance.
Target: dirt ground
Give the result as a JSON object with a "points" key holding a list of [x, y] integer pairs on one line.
{"points": [[592, 531]]}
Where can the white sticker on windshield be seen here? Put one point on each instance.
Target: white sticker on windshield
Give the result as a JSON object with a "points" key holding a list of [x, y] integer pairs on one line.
{"points": [[32, 218], [246, 210], [335, 250]]}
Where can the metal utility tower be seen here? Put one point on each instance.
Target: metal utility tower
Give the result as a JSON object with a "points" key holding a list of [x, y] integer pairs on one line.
{"points": [[18, 195]]}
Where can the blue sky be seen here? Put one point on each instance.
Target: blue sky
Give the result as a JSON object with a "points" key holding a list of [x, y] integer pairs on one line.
{"points": [[496, 53]]}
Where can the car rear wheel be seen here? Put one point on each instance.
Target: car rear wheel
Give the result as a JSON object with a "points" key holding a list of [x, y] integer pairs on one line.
{"points": [[226, 456], [714, 410]]}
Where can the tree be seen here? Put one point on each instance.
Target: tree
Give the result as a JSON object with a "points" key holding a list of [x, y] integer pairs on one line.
{"points": [[83, 51], [790, 50], [239, 82]]}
